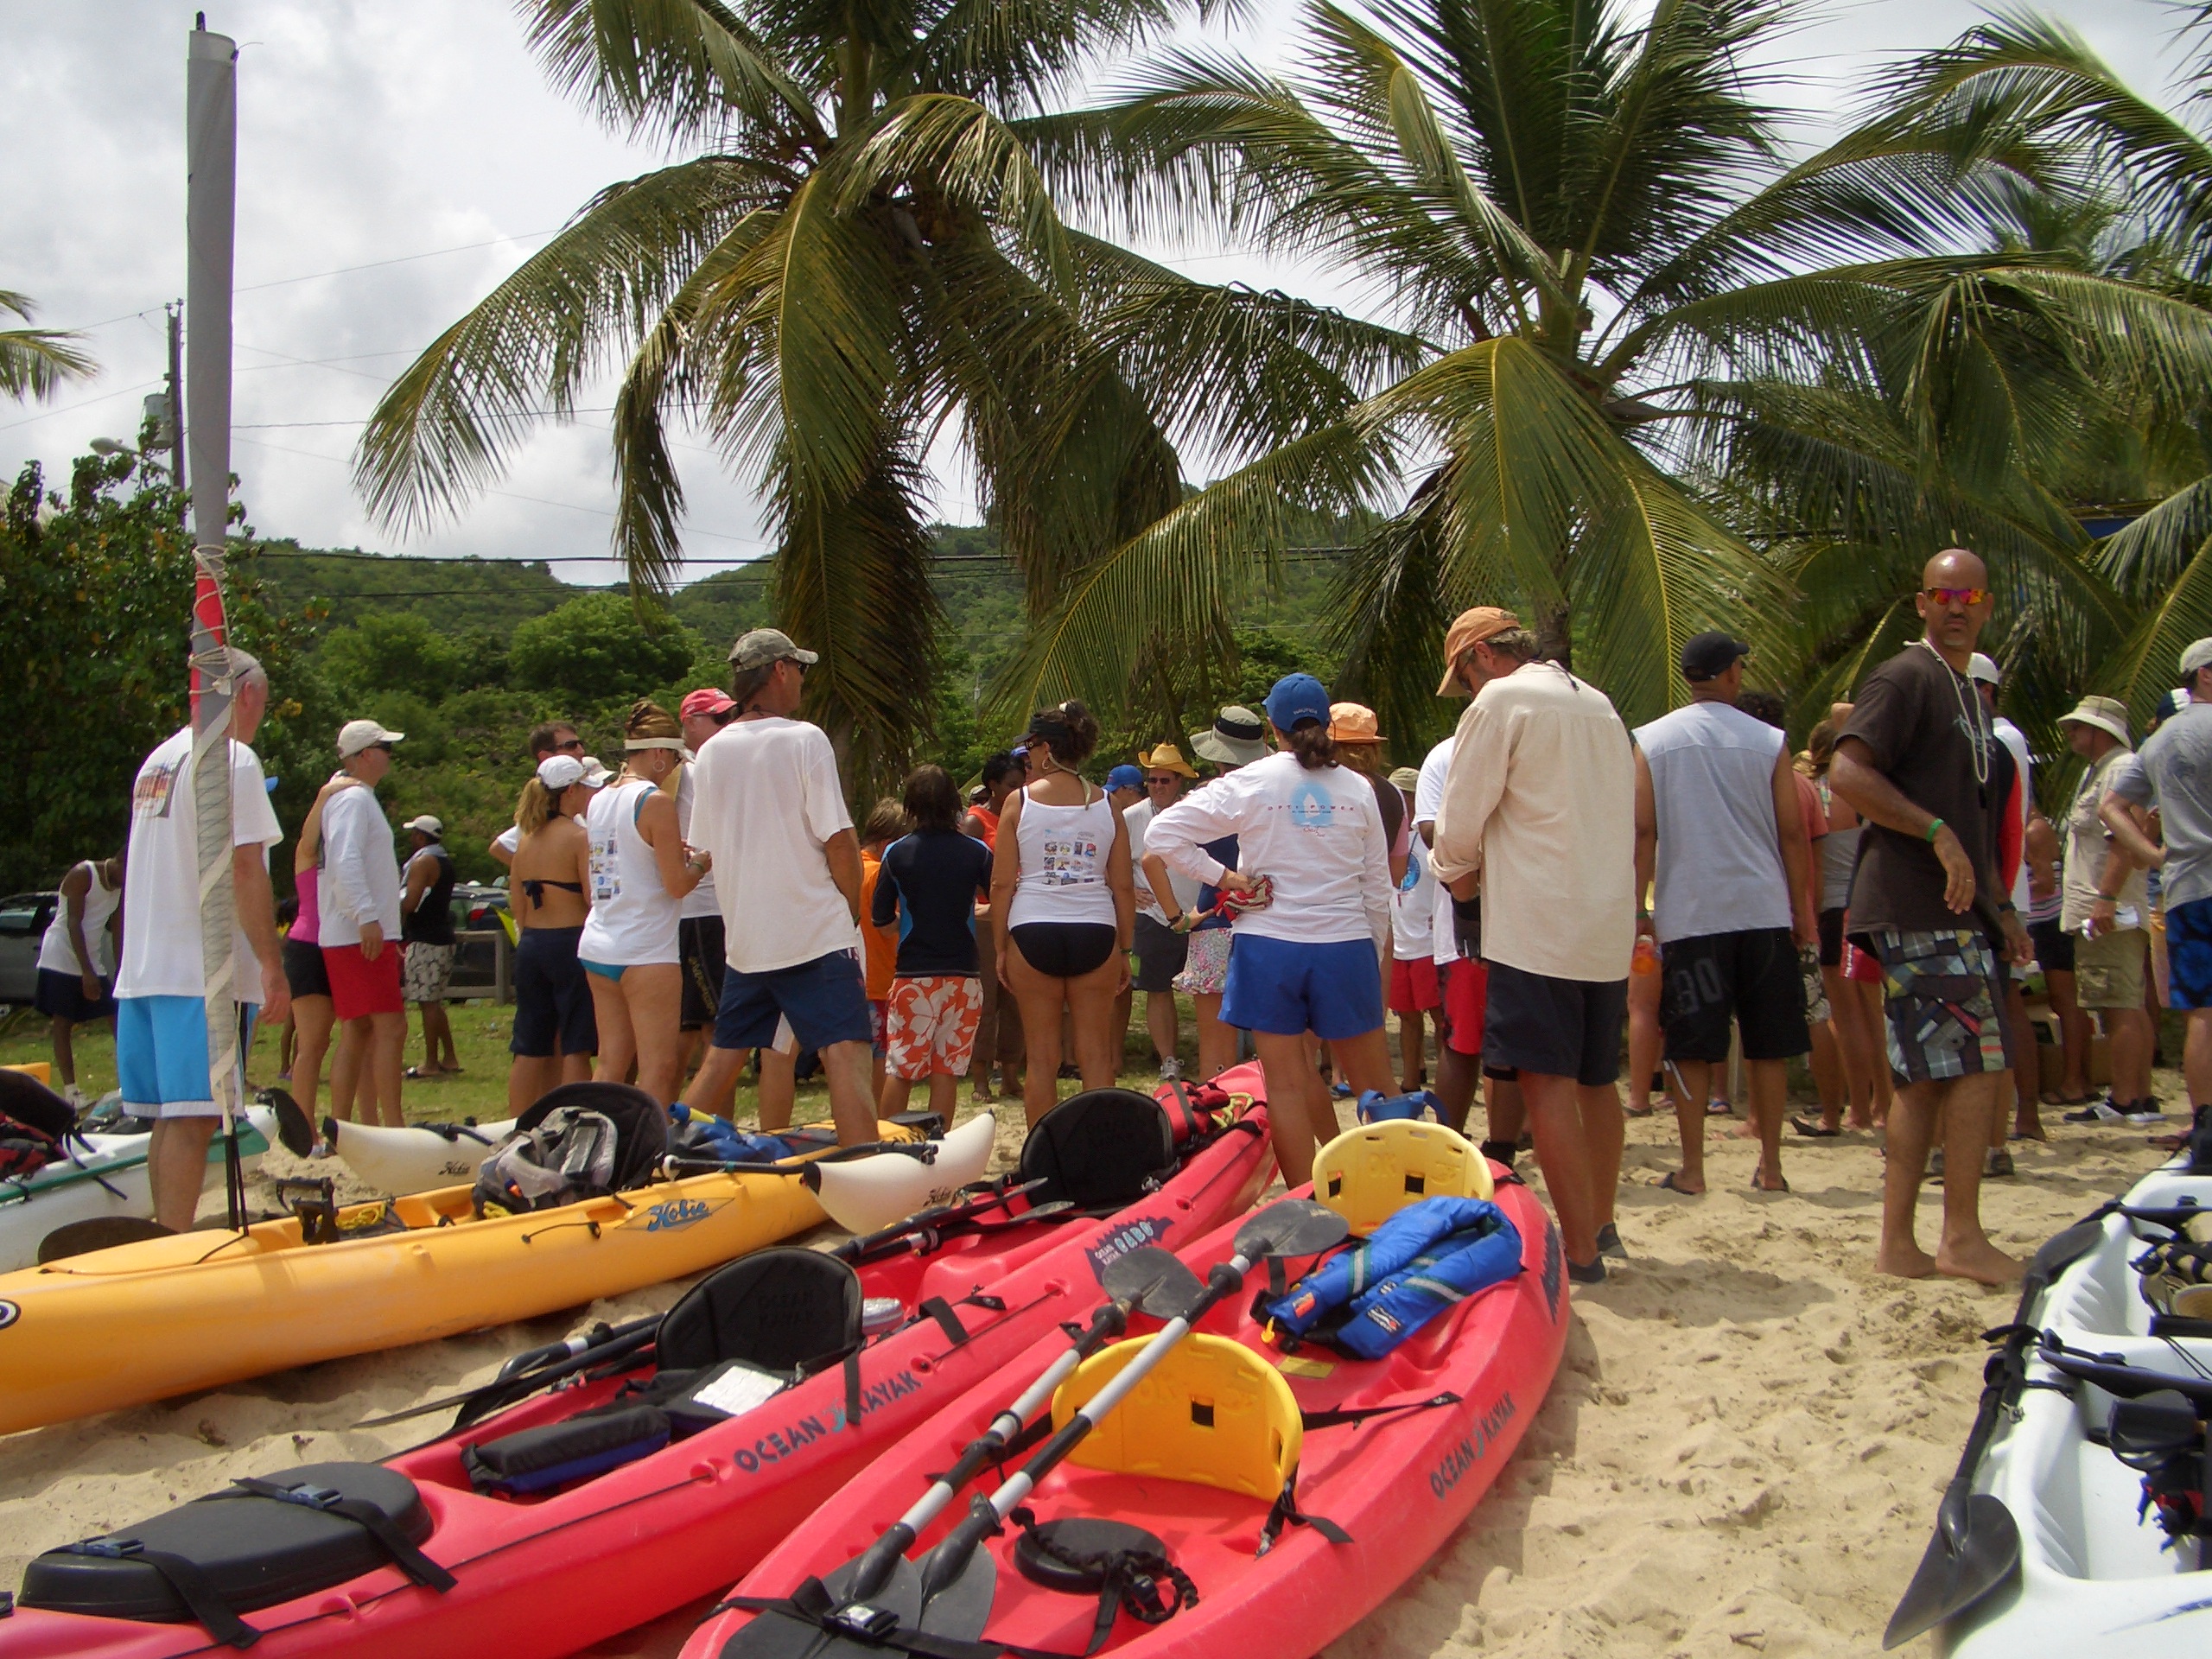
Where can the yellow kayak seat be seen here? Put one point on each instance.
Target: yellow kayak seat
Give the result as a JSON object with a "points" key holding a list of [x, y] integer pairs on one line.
{"points": [[1368, 1175], [1212, 1412]]}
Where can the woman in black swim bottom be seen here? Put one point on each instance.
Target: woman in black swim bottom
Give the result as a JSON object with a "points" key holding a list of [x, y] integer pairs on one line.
{"points": [[1064, 949], [555, 1033]]}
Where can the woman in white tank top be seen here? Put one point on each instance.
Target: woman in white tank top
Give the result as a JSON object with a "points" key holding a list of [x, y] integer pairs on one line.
{"points": [[1063, 905], [640, 870]]}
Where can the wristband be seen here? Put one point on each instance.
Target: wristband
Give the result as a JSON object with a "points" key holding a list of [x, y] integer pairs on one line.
{"points": [[1934, 824]]}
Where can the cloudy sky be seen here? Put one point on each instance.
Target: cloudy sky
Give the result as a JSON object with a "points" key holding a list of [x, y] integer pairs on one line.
{"points": [[396, 160]]}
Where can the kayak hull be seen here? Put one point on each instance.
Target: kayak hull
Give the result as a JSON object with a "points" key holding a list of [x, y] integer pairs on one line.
{"points": [[104, 1176], [140, 1322], [1399, 1485], [664, 1531], [2094, 1580]]}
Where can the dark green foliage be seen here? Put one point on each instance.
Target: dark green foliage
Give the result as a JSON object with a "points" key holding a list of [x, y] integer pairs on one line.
{"points": [[599, 648]]}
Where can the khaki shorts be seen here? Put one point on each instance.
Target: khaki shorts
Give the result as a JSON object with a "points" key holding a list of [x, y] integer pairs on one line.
{"points": [[2108, 971]]}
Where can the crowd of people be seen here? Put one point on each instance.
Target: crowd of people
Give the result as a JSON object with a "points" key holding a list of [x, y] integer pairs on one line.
{"points": [[1543, 882]]}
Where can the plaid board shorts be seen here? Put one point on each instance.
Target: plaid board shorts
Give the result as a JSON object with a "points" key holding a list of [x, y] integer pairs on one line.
{"points": [[930, 1024], [425, 971], [1940, 996], [1205, 969]]}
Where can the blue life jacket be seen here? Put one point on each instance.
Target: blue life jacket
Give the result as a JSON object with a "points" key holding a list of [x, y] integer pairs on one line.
{"points": [[707, 1138], [1424, 1258], [1377, 1108]]}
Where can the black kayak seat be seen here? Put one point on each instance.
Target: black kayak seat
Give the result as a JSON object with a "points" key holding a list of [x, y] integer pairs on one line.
{"points": [[26, 1100], [1102, 1149], [641, 1125], [249, 1550], [782, 1313]]}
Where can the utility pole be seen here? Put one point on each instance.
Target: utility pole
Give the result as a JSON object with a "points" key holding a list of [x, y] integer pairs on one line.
{"points": [[177, 412]]}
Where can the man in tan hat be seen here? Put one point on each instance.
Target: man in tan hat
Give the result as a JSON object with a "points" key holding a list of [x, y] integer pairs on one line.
{"points": [[1237, 737], [1160, 950], [1541, 799], [2104, 901], [770, 809], [1915, 761]]}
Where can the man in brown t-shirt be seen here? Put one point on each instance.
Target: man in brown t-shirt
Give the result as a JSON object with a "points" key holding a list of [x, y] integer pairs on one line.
{"points": [[1916, 760]]}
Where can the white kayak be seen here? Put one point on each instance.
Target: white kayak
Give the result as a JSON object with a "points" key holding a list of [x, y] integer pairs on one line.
{"points": [[416, 1159], [869, 1194], [2095, 1580], [100, 1176]]}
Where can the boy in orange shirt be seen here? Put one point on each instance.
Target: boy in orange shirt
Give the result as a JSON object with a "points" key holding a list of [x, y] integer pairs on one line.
{"points": [[879, 945]]}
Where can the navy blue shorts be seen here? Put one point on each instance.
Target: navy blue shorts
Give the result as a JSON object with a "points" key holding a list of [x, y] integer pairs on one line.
{"points": [[1287, 989], [63, 996], [2189, 955], [553, 1010], [825, 1001], [1554, 1027]]}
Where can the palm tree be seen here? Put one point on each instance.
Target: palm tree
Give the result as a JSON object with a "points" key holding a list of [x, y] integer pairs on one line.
{"points": [[1588, 230], [35, 361], [2028, 81], [859, 257]]}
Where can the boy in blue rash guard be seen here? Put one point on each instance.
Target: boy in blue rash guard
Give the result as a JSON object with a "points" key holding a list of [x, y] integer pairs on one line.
{"points": [[930, 882]]}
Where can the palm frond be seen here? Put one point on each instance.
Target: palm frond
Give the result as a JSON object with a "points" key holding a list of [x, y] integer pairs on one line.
{"points": [[689, 68], [2148, 665], [34, 362]]}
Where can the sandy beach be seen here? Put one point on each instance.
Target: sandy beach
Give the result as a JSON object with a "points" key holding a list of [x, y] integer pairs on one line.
{"points": [[1743, 1449]]}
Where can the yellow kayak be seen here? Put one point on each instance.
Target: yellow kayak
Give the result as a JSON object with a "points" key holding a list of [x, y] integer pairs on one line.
{"points": [[165, 1315]]}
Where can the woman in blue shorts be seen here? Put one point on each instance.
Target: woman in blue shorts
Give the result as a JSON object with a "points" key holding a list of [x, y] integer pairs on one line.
{"points": [[1307, 961]]}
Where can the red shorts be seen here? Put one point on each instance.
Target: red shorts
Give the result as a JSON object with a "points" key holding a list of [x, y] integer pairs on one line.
{"points": [[1861, 965], [1414, 988], [1466, 991], [359, 987]]}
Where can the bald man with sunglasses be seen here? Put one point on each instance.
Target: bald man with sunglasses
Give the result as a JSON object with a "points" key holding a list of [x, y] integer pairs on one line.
{"points": [[1917, 760]]}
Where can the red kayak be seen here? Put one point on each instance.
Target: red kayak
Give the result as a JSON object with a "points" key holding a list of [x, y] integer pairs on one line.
{"points": [[666, 1458], [1319, 1500]]}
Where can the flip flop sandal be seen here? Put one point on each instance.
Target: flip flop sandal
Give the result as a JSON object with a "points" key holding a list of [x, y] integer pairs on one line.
{"points": [[1770, 1190], [1718, 1108], [1668, 1182], [1813, 1127], [1639, 1111]]}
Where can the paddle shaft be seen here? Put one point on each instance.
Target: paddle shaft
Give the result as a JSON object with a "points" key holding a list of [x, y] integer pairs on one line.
{"points": [[874, 1569], [950, 1559]]}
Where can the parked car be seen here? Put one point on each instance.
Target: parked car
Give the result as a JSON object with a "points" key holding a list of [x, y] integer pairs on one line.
{"points": [[23, 920], [479, 928]]}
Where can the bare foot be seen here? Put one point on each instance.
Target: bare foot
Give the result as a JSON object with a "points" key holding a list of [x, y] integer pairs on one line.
{"points": [[1981, 1261], [1858, 1123], [1907, 1262], [2030, 1132], [1746, 1130]]}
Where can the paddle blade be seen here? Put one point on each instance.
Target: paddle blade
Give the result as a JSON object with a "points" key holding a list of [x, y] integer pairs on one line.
{"points": [[1963, 1564], [294, 1129], [99, 1233], [959, 1611], [1151, 1279], [1291, 1227], [784, 1636]]}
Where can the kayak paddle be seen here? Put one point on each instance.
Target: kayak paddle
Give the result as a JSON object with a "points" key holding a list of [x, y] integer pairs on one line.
{"points": [[1976, 1545]]}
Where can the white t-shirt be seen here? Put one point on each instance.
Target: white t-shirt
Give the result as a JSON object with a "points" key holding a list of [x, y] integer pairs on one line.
{"points": [[1317, 836], [1413, 908], [1428, 796], [359, 880], [161, 884], [767, 801], [509, 840], [1137, 820], [2017, 740], [700, 901]]}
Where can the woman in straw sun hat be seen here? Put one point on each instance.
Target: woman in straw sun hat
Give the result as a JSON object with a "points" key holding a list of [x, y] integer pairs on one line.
{"points": [[2112, 959]]}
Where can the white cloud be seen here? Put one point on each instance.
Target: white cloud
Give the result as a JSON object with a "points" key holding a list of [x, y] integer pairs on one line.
{"points": [[373, 133]]}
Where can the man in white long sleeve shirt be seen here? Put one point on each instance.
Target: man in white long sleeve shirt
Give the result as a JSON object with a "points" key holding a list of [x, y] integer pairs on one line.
{"points": [[1541, 798], [1307, 961], [358, 891]]}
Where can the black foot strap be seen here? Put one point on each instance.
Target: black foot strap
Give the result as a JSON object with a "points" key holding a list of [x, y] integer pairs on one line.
{"points": [[812, 1603], [1286, 1512], [1129, 1579], [1361, 1414], [182, 1574]]}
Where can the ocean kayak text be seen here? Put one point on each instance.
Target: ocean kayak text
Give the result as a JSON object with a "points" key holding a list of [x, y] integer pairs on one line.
{"points": [[779, 1444]]}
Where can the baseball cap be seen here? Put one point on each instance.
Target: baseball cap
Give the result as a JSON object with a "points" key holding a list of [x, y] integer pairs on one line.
{"points": [[595, 772], [2170, 705], [1295, 697], [2198, 655], [429, 826], [1405, 778], [557, 772], [1125, 777], [1982, 667], [707, 700], [1468, 629], [765, 645], [1707, 656], [1354, 722], [358, 735]]}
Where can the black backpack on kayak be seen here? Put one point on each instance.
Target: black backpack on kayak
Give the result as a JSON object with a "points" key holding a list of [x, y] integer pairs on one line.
{"points": [[580, 1140]]}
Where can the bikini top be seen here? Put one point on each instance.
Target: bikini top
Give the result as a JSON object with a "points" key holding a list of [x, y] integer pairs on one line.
{"points": [[536, 890]]}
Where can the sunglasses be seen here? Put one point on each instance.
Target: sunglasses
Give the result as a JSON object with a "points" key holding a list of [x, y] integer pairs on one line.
{"points": [[574, 744], [386, 748], [1968, 596], [1165, 780]]}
